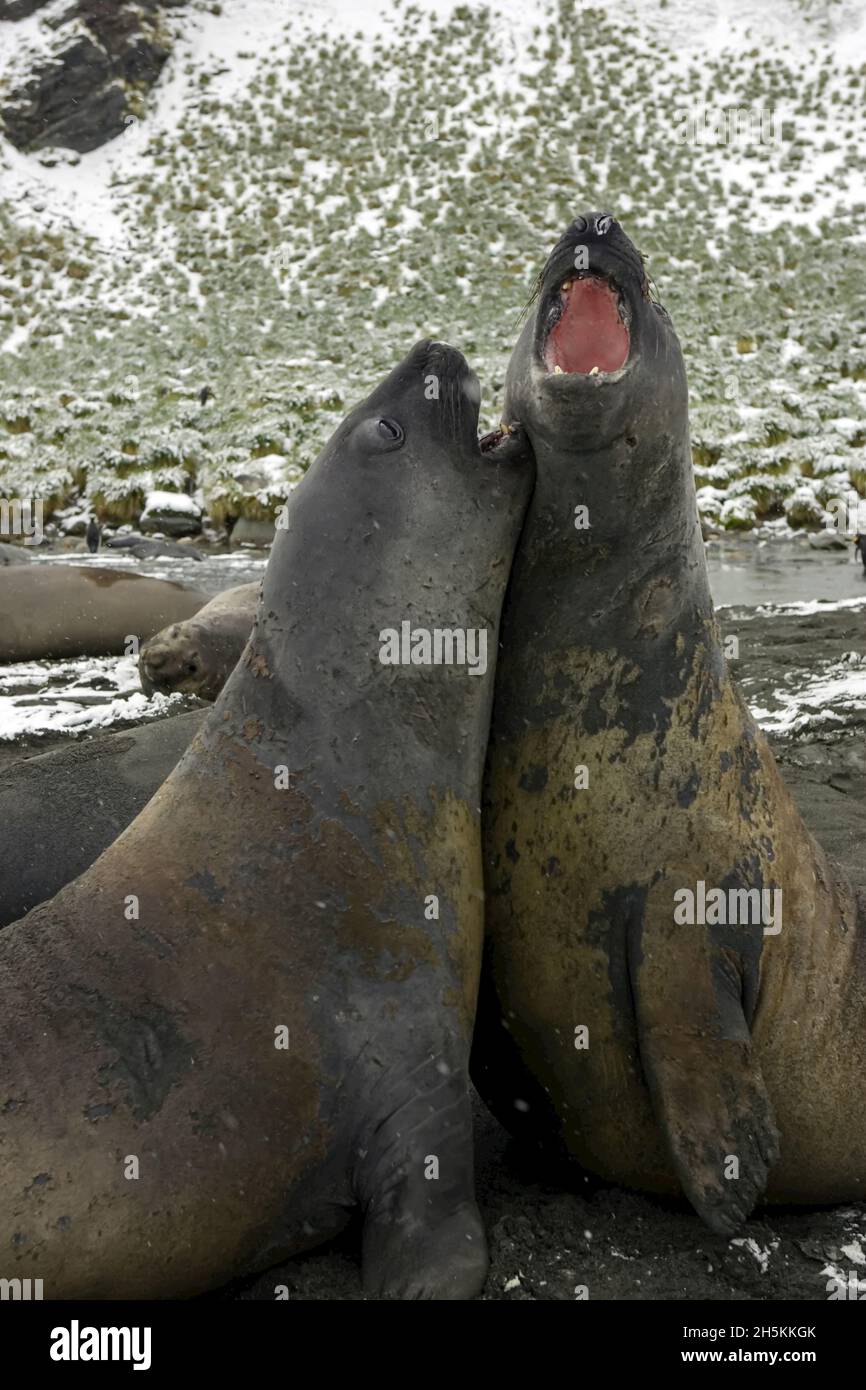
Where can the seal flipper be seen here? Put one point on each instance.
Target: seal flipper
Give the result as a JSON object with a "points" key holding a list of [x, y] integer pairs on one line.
{"points": [[423, 1234], [706, 1085]]}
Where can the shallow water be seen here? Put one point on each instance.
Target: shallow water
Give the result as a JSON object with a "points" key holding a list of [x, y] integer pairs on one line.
{"points": [[38, 699], [745, 573], [213, 573]]}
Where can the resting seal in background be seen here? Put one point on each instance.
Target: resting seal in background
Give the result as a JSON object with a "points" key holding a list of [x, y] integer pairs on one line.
{"points": [[144, 549], [625, 775], [198, 656], [68, 610], [60, 810], [263, 992]]}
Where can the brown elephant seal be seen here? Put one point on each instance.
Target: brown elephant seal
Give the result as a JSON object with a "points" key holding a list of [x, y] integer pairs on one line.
{"points": [[198, 656], [676, 988], [60, 810], [253, 1013], [69, 610]]}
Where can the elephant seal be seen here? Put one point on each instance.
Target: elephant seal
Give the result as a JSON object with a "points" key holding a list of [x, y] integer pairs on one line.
{"points": [[143, 548], [60, 810], [718, 1048], [253, 1013], [13, 554], [69, 610], [198, 656]]}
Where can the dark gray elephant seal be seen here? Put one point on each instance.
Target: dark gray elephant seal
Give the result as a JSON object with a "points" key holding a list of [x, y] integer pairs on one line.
{"points": [[142, 548], [198, 656], [13, 554], [626, 776], [60, 810], [69, 610], [259, 1000]]}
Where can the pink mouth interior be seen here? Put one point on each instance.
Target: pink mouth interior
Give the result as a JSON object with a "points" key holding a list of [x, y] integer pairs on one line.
{"points": [[590, 332]]}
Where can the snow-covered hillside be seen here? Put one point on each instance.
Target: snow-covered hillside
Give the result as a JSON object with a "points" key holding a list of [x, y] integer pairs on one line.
{"points": [[314, 186]]}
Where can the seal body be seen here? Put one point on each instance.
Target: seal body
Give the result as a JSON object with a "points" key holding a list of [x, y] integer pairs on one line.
{"points": [[198, 656], [60, 810], [263, 991], [144, 549], [626, 777], [69, 610]]}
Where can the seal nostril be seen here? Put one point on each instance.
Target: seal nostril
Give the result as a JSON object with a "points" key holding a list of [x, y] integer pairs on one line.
{"points": [[579, 224], [631, 441], [603, 224]]}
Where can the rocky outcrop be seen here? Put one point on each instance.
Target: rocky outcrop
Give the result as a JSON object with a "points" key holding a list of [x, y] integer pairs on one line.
{"points": [[105, 56], [21, 9]]}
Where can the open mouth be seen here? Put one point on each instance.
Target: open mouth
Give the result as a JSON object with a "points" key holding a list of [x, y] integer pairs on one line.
{"points": [[587, 328]]}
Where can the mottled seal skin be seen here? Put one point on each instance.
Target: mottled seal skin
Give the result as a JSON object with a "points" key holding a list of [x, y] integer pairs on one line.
{"points": [[198, 656], [60, 810], [704, 1042], [74, 610], [306, 907]]}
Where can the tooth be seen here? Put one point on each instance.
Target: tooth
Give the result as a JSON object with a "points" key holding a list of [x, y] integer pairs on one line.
{"points": [[506, 429], [594, 371], [566, 285], [557, 371]]}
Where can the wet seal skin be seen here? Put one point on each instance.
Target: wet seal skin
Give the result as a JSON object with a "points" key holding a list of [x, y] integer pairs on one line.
{"points": [[72, 610], [253, 1013], [60, 810], [198, 656], [624, 769]]}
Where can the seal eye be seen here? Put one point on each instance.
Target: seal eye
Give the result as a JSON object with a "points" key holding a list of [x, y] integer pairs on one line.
{"points": [[390, 431], [602, 226], [379, 434], [579, 224]]}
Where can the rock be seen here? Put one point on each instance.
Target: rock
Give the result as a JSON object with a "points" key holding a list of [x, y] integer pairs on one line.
{"points": [[74, 525], [102, 55], [248, 532], [828, 540], [21, 9], [172, 513]]}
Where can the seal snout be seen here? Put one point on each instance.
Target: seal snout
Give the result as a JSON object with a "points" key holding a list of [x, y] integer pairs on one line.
{"points": [[168, 662], [441, 360]]}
